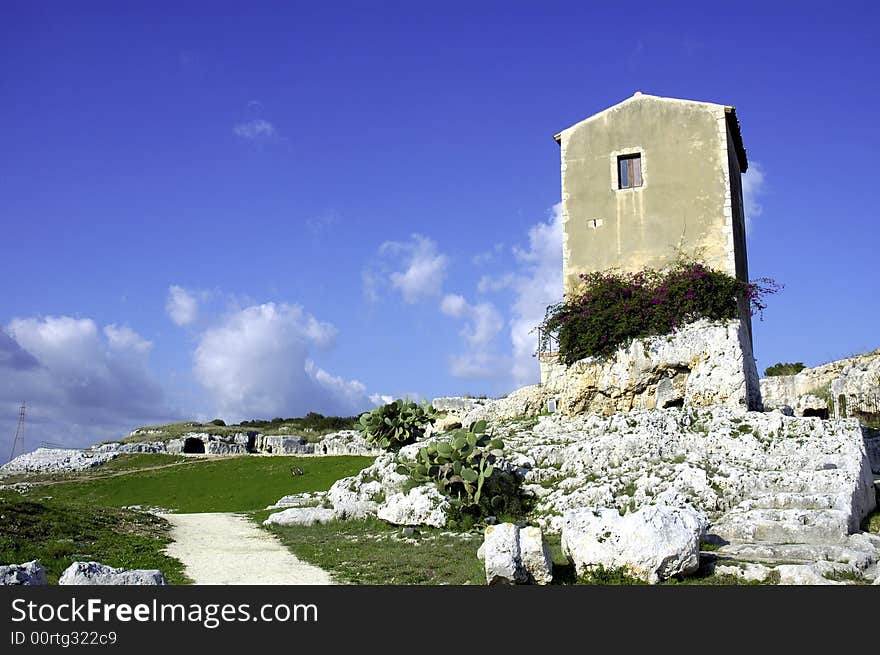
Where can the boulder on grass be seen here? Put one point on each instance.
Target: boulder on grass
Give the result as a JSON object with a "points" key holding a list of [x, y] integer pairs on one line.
{"points": [[515, 556], [652, 544], [303, 516], [95, 573], [422, 505], [29, 573]]}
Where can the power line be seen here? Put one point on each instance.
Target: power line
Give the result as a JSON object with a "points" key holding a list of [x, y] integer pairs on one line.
{"points": [[19, 433]]}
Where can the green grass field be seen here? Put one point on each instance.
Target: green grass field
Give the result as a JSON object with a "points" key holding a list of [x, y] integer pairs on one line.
{"points": [[236, 484], [374, 552], [58, 534]]}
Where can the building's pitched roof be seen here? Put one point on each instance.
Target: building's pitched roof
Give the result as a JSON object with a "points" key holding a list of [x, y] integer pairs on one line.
{"points": [[730, 112]]}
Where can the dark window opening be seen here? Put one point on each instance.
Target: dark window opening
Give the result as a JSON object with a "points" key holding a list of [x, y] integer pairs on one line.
{"points": [[629, 171]]}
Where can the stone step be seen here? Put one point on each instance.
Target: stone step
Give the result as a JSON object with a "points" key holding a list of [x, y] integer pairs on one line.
{"points": [[783, 526], [860, 550], [789, 500]]}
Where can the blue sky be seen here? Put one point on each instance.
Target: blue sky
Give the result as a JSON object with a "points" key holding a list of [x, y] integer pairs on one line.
{"points": [[237, 210]]}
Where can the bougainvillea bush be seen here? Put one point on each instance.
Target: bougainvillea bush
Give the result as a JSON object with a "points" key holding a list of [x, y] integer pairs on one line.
{"points": [[611, 309]]}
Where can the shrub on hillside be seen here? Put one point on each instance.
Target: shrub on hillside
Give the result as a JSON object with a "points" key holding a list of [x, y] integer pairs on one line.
{"points": [[396, 424], [787, 368], [610, 309]]}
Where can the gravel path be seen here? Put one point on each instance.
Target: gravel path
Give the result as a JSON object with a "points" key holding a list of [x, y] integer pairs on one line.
{"points": [[219, 548]]}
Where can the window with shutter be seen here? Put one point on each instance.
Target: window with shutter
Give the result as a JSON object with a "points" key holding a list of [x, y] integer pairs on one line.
{"points": [[629, 171]]}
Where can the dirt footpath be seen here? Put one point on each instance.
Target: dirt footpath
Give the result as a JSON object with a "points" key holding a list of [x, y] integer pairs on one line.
{"points": [[220, 548]]}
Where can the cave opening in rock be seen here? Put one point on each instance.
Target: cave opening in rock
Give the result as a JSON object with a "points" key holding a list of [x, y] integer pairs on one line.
{"points": [[194, 445], [821, 413]]}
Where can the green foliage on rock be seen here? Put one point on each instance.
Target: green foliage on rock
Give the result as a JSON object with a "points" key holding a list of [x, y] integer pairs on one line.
{"points": [[396, 424], [611, 309], [788, 368], [462, 466]]}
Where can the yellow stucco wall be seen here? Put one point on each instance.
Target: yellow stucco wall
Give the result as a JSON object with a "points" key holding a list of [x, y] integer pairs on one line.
{"points": [[684, 203]]}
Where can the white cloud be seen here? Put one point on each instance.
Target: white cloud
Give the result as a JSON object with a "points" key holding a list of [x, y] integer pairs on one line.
{"points": [[257, 363], [483, 321], [482, 324], [82, 384], [488, 256], [422, 275], [257, 129], [124, 339], [181, 306], [493, 283], [752, 189], [536, 284], [477, 365]]}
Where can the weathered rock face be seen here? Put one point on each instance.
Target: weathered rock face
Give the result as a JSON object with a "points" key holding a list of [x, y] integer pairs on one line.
{"points": [[458, 405], [361, 495], [703, 364], [763, 481], [345, 442], [514, 555], [379, 490], [282, 445], [652, 544], [501, 555], [303, 516], [422, 505], [55, 460], [855, 379], [527, 401], [94, 573], [29, 573], [872, 446]]}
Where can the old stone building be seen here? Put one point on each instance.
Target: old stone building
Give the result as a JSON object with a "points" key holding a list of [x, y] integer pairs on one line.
{"points": [[649, 178], [645, 182]]}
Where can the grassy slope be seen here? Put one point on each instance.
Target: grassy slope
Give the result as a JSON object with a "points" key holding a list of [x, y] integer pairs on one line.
{"points": [[58, 534], [236, 484]]}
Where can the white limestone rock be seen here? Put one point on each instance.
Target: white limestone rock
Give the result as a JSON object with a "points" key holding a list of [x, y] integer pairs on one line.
{"points": [[535, 555], [501, 556], [748, 571], [514, 555], [422, 505], [56, 460], [30, 573], [702, 364], [360, 495], [94, 573], [345, 442], [527, 401], [302, 516], [307, 499], [654, 543]]}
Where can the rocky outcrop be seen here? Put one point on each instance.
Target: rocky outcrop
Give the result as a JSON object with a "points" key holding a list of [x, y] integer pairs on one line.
{"points": [[847, 387], [793, 489], [94, 573], [653, 543], [302, 516], [345, 442], [703, 364], [514, 555], [380, 490], [29, 573], [56, 460], [422, 505], [524, 402]]}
